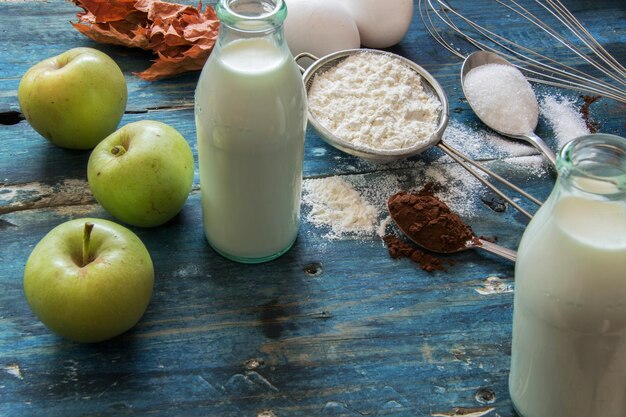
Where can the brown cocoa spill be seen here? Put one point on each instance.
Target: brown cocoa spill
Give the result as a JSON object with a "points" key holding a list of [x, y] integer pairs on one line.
{"points": [[584, 111], [428, 221], [398, 248]]}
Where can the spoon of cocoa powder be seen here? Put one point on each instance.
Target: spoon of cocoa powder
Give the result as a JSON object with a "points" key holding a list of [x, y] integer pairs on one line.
{"points": [[429, 223]]}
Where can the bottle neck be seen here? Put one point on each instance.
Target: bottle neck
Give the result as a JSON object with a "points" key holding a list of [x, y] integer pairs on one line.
{"points": [[594, 166], [241, 19]]}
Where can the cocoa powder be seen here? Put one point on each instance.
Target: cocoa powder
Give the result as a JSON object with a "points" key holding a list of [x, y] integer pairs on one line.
{"points": [[398, 248], [429, 221], [584, 111]]}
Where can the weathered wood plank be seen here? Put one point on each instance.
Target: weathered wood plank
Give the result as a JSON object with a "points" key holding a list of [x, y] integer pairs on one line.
{"points": [[347, 329], [334, 327]]}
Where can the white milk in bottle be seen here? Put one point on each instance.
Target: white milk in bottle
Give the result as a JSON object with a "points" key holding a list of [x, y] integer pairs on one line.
{"points": [[569, 321], [251, 125]]}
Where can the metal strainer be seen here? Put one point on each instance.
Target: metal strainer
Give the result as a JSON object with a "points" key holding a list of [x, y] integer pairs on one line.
{"points": [[432, 87]]}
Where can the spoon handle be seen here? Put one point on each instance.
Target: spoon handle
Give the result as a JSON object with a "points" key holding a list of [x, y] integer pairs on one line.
{"points": [[541, 146], [509, 254]]}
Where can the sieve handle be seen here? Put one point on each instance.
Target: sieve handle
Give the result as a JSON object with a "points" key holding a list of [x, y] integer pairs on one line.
{"points": [[304, 55]]}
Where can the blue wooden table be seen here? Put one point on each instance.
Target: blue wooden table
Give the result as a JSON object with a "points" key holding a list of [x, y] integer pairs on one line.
{"points": [[334, 327]]}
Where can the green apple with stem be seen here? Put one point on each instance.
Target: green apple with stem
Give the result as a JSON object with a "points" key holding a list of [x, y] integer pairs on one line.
{"points": [[75, 99], [89, 279], [142, 173]]}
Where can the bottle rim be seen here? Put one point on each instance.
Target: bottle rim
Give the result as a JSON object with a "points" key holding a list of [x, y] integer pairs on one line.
{"points": [[252, 15], [599, 157]]}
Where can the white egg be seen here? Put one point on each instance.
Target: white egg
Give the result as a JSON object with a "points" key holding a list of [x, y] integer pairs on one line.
{"points": [[319, 27], [381, 23]]}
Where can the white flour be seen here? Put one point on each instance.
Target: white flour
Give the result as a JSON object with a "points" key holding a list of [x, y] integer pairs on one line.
{"points": [[374, 101], [335, 203]]}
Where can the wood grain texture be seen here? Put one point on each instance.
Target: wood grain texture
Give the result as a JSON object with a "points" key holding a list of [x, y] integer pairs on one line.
{"points": [[332, 328]]}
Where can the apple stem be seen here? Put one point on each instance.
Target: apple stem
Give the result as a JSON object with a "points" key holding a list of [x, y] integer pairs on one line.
{"points": [[118, 150], [86, 242]]}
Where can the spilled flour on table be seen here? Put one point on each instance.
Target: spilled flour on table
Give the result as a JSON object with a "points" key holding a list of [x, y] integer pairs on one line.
{"points": [[335, 203], [482, 144], [533, 165], [356, 205]]}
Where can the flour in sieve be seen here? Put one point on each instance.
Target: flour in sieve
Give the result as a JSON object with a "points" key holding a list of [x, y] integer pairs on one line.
{"points": [[374, 101]]}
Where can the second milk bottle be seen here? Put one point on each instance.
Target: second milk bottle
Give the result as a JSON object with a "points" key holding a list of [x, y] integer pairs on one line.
{"points": [[250, 109], [569, 315]]}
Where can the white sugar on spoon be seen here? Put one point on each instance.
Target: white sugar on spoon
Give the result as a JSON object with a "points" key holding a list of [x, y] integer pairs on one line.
{"points": [[502, 98]]}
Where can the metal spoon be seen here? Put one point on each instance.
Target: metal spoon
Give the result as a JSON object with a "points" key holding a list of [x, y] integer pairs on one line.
{"points": [[473, 243], [479, 58]]}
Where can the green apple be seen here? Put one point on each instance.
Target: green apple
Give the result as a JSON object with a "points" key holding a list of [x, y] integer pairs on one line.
{"points": [[89, 279], [142, 173], [75, 99]]}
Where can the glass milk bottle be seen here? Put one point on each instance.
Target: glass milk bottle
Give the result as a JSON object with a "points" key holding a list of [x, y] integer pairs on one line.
{"points": [[250, 108], [569, 315]]}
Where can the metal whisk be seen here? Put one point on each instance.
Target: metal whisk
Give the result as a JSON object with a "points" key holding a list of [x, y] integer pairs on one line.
{"points": [[608, 79]]}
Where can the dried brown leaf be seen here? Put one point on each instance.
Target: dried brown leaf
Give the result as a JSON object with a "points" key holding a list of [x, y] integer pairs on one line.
{"points": [[116, 33], [104, 11], [181, 36], [165, 66]]}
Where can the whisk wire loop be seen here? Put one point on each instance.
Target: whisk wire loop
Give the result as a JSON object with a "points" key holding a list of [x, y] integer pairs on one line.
{"points": [[582, 47]]}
